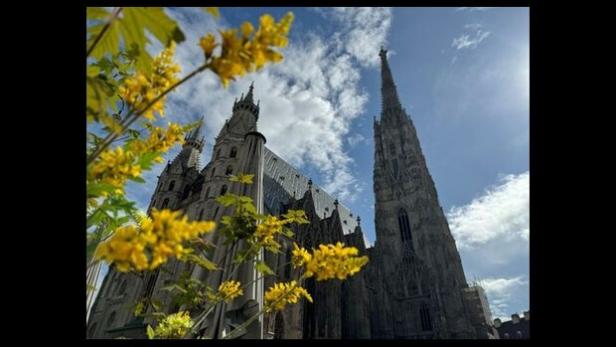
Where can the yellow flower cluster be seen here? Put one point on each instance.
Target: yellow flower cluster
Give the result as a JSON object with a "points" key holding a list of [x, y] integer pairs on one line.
{"points": [[242, 53], [148, 246], [281, 294], [174, 326], [300, 256], [230, 290], [159, 139], [267, 230], [139, 90], [329, 261], [116, 166]]}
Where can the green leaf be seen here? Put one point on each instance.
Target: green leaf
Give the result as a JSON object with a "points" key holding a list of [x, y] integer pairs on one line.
{"points": [[97, 189], [175, 287], [130, 28], [264, 269], [227, 199], [138, 309], [203, 262], [150, 332], [96, 13]]}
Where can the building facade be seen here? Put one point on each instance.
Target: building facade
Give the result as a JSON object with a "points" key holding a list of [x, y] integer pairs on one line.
{"points": [[413, 287], [516, 328]]}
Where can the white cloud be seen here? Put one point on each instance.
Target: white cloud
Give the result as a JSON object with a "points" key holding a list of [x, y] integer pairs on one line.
{"points": [[502, 212], [355, 139], [470, 41], [500, 292], [308, 101], [472, 9]]}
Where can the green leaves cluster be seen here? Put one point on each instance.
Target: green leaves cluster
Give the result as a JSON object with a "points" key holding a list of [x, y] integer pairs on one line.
{"points": [[127, 27]]}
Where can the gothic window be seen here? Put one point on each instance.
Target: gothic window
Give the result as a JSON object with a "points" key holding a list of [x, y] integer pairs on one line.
{"points": [[111, 319], [229, 170], [405, 228], [165, 203], [186, 192], [233, 152], [223, 189], [392, 149], [218, 154], [216, 212], [171, 185], [394, 164], [122, 288], [154, 203], [424, 314], [207, 192], [201, 214], [213, 170]]}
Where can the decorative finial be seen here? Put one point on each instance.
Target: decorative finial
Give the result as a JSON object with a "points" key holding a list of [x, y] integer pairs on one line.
{"points": [[358, 221], [383, 52], [310, 183], [336, 203]]}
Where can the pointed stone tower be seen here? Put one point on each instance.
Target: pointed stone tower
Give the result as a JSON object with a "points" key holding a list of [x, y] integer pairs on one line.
{"points": [[416, 274]]}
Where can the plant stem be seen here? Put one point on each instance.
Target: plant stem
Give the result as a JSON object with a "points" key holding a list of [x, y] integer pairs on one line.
{"points": [[114, 15], [133, 116]]}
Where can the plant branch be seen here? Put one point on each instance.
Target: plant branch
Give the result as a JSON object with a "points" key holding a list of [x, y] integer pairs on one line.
{"points": [[114, 15]]}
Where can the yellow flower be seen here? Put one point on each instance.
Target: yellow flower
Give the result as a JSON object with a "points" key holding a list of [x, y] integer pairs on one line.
{"points": [[208, 43], [247, 29], [140, 90], [149, 245], [281, 294], [334, 261], [213, 11], [300, 256], [250, 50], [267, 231], [173, 326], [230, 290]]}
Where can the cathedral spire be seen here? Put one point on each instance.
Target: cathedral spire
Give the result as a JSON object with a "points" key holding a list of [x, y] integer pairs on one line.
{"points": [[248, 97], [196, 134], [389, 94]]}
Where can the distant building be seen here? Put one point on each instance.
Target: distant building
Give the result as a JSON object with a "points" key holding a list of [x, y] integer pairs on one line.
{"points": [[516, 328]]}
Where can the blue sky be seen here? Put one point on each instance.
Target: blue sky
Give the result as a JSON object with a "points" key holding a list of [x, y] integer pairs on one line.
{"points": [[462, 74]]}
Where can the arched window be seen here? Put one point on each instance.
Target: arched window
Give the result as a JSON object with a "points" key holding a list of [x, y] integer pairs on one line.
{"points": [[213, 171], [111, 319], [392, 149], [154, 203], [201, 214], [424, 314], [165, 203], [233, 152], [218, 154], [216, 212], [229, 170], [171, 185], [186, 192], [122, 288], [207, 192], [405, 228], [223, 189], [92, 330]]}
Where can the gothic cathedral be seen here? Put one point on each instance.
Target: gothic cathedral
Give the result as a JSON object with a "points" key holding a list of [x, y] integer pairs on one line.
{"points": [[413, 287]]}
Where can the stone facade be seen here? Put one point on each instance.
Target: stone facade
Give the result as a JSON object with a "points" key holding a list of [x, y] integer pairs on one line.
{"points": [[413, 287]]}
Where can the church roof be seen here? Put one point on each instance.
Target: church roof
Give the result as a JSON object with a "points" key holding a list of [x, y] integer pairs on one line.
{"points": [[283, 181]]}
